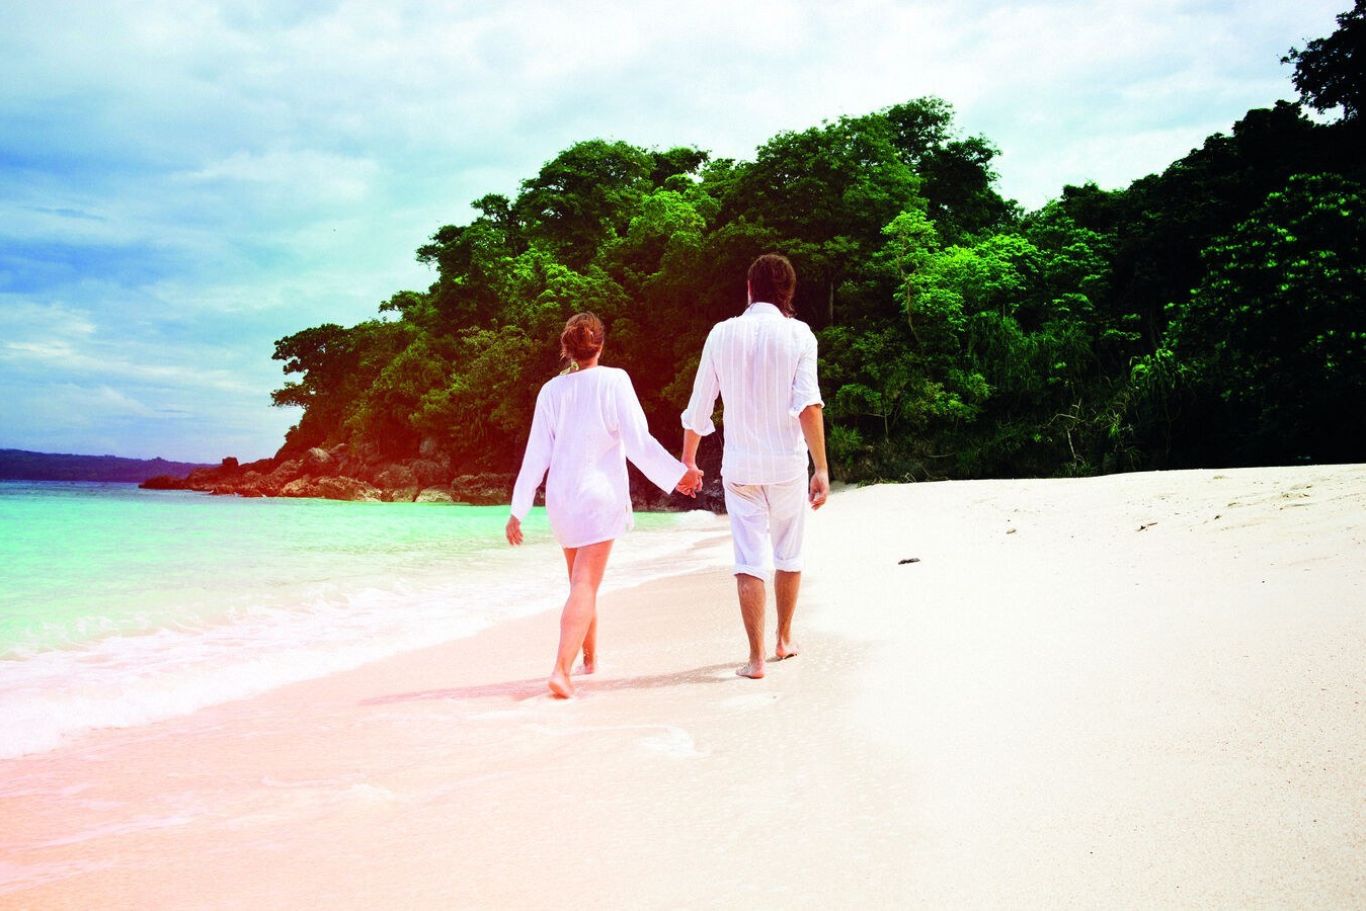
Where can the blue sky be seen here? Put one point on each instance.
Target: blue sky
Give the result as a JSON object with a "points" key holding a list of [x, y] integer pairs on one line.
{"points": [[182, 183]]}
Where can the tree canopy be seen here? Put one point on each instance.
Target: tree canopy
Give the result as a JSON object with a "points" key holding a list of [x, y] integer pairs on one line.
{"points": [[1331, 72], [1208, 314]]}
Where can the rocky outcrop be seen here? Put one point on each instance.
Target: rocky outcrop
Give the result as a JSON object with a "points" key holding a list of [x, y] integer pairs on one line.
{"points": [[435, 495], [251, 485], [331, 489], [397, 477], [339, 473], [330, 474], [483, 489], [430, 472], [318, 461], [299, 487], [645, 496]]}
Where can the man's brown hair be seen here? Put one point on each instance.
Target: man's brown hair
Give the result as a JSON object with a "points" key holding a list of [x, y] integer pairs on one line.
{"points": [[773, 280]]}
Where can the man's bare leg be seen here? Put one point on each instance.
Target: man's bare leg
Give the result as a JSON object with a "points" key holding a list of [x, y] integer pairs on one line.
{"points": [[752, 598], [785, 588]]}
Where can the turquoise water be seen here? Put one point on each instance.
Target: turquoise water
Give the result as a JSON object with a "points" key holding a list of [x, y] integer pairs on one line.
{"points": [[80, 561], [120, 606]]}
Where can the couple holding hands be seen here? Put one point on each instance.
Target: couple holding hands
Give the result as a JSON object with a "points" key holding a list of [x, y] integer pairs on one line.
{"points": [[588, 422]]}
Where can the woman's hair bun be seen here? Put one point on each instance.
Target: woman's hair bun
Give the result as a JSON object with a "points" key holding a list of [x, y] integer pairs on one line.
{"points": [[582, 337]]}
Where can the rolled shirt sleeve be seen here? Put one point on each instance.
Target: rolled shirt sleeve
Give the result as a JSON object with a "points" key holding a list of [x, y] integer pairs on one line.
{"points": [[805, 387], [705, 388], [536, 460], [644, 451]]}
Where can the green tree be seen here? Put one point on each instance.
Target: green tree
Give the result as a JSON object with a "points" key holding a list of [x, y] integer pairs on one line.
{"points": [[1276, 331], [584, 196], [825, 193], [960, 336], [483, 411], [1331, 72], [375, 419], [678, 162], [324, 357]]}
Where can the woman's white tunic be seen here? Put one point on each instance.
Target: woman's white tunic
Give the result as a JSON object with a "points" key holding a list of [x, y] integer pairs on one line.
{"points": [[587, 424]]}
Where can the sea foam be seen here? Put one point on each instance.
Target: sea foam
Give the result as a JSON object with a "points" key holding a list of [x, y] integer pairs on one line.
{"points": [[125, 680]]}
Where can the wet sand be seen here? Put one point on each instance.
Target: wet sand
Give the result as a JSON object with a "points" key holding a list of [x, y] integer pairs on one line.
{"points": [[1127, 692]]}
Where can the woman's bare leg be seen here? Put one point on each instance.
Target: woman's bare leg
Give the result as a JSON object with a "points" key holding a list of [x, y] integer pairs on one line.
{"points": [[590, 639], [590, 648], [580, 610]]}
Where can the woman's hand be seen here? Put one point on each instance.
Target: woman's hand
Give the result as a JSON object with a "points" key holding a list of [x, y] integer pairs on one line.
{"points": [[514, 530], [692, 481]]}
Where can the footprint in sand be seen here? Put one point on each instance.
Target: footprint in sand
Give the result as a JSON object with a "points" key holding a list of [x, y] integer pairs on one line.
{"points": [[371, 794], [749, 701], [674, 742], [725, 674], [496, 715]]}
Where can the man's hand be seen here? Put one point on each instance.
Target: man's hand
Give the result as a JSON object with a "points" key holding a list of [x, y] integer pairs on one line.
{"points": [[692, 481], [514, 530], [820, 488], [813, 428]]}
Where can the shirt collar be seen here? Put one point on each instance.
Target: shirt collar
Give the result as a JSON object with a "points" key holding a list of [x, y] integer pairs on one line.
{"points": [[762, 308]]}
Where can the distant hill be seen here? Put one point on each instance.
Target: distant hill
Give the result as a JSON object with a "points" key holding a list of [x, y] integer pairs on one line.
{"points": [[20, 465]]}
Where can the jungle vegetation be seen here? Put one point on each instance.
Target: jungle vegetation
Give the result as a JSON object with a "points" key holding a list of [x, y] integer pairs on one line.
{"points": [[1208, 315]]}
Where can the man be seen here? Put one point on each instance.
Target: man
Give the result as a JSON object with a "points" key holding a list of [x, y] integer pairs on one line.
{"points": [[763, 365]]}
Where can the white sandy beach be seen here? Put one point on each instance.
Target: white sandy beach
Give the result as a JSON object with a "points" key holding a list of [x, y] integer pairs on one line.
{"points": [[1137, 691]]}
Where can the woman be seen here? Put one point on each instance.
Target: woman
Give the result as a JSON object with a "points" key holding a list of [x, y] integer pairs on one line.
{"points": [[588, 422]]}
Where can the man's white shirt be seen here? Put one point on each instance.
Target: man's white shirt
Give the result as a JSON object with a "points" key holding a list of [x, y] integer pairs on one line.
{"points": [[763, 365]]}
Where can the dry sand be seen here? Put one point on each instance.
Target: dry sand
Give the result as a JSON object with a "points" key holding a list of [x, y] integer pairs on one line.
{"points": [[1141, 691]]}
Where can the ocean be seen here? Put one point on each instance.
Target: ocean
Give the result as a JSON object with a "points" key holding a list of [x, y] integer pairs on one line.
{"points": [[121, 606]]}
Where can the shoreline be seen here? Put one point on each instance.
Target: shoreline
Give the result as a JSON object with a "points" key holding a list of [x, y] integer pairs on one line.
{"points": [[148, 630], [1126, 691]]}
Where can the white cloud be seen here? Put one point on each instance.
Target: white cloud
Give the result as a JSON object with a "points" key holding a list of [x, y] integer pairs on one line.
{"points": [[66, 358], [303, 177], [84, 405], [24, 317], [192, 180]]}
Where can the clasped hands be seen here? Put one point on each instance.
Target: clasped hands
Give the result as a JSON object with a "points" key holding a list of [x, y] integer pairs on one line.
{"points": [[692, 480], [689, 485]]}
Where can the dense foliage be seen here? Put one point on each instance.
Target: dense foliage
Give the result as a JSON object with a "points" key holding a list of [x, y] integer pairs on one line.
{"points": [[1210, 314]]}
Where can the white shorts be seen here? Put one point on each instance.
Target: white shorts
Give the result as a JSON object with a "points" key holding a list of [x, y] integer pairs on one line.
{"points": [[766, 525]]}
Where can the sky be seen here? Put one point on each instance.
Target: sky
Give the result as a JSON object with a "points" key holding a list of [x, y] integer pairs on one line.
{"points": [[182, 183]]}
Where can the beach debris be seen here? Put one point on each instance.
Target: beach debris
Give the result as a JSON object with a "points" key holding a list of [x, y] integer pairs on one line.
{"points": [[1010, 531], [1146, 525], [907, 560]]}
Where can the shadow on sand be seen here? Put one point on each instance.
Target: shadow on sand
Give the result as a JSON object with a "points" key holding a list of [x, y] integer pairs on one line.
{"points": [[535, 687]]}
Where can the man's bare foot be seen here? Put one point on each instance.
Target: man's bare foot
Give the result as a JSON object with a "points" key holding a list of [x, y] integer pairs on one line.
{"points": [[587, 667], [559, 685], [787, 649], [754, 670]]}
